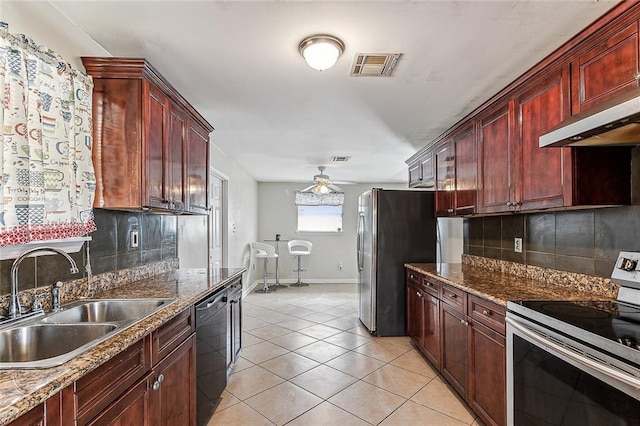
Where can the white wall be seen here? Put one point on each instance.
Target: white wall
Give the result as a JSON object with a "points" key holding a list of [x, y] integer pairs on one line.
{"points": [[242, 210], [45, 25], [278, 215]]}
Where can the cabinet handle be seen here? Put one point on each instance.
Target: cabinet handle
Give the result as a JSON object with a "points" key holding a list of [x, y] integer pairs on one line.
{"points": [[449, 210], [508, 203], [453, 296], [412, 276], [156, 383], [418, 294], [465, 323], [486, 313], [429, 284], [637, 76]]}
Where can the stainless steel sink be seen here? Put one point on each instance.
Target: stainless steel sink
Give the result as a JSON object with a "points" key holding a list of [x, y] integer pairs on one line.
{"points": [[42, 345], [57, 337], [106, 311]]}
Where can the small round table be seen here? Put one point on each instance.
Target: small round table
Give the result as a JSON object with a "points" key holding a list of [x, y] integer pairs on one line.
{"points": [[277, 258]]}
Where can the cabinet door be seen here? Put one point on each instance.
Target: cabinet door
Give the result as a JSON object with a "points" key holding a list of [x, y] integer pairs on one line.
{"points": [[445, 178], [466, 170], [197, 168], [130, 409], [609, 68], [454, 347], [414, 314], [155, 119], [172, 387], [545, 174], [34, 417], [427, 173], [415, 175], [175, 146], [431, 328], [487, 374], [495, 160]]}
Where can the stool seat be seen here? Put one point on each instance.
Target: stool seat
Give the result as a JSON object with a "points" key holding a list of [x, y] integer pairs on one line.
{"points": [[299, 248], [266, 252]]}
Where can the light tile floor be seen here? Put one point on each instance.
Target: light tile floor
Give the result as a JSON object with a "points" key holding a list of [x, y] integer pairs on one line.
{"points": [[307, 360]]}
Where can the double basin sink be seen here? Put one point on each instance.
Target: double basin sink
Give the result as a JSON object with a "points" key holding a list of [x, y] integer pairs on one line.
{"points": [[60, 336]]}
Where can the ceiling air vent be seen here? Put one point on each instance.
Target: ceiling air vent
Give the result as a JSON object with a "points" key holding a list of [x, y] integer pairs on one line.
{"points": [[340, 158], [374, 64]]}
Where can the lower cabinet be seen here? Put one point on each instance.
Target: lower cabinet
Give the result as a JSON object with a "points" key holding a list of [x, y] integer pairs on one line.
{"points": [[150, 383], [172, 393], [463, 336]]}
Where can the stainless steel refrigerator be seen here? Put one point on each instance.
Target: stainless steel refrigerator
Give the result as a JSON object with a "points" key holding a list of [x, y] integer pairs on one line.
{"points": [[394, 227]]}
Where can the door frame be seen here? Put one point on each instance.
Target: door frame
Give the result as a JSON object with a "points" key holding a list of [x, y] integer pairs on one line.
{"points": [[223, 220]]}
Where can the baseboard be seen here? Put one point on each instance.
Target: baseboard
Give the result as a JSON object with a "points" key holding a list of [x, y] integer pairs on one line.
{"points": [[293, 280]]}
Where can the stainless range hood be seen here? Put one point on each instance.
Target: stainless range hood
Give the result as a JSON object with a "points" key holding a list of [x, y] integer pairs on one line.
{"points": [[612, 123]]}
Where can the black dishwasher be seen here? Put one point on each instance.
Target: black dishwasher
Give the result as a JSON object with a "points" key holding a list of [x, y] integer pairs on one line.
{"points": [[211, 353]]}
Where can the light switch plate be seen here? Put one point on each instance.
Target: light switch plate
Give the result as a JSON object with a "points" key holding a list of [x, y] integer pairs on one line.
{"points": [[517, 245]]}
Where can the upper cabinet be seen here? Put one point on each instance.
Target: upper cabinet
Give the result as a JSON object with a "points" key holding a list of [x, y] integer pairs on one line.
{"points": [[456, 170], [495, 153], [492, 163], [607, 67], [421, 170], [151, 146]]}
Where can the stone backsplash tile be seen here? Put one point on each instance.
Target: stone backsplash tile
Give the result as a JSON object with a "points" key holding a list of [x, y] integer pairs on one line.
{"points": [[580, 241]]}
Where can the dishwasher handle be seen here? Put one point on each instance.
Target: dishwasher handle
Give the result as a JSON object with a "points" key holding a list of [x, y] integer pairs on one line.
{"points": [[203, 306]]}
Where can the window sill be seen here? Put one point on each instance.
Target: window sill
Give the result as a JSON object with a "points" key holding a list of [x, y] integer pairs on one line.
{"points": [[328, 233]]}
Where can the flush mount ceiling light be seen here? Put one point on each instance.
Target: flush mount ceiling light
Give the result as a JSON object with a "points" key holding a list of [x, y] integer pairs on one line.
{"points": [[321, 51]]}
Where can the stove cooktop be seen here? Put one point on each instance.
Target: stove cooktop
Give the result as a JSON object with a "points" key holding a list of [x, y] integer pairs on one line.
{"points": [[615, 321]]}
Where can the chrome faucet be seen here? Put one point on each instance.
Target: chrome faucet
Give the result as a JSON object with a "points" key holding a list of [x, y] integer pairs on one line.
{"points": [[15, 310]]}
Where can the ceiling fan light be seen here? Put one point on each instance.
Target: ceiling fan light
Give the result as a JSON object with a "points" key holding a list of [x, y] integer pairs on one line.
{"points": [[321, 51]]}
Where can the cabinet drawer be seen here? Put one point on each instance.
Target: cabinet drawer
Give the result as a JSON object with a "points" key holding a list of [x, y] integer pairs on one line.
{"points": [[487, 313], [169, 336], [414, 277], [453, 296], [431, 286], [95, 391]]}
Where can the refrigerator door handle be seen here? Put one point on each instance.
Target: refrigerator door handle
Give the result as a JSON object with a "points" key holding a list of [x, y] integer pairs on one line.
{"points": [[360, 241]]}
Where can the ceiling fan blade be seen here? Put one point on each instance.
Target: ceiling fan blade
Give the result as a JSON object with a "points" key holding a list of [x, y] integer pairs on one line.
{"points": [[308, 188], [344, 182], [334, 188]]}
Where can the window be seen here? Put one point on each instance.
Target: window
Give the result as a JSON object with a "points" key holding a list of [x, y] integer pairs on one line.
{"points": [[319, 218]]}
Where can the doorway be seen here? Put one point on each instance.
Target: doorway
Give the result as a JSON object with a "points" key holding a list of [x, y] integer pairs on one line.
{"points": [[217, 219]]}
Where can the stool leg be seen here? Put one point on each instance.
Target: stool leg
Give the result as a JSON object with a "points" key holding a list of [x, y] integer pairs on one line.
{"points": [[299, 283], [265, 287]]}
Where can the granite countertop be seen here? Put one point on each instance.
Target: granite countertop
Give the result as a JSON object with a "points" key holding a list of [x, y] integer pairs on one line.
{"points": [[499, 287], [21, 390]]}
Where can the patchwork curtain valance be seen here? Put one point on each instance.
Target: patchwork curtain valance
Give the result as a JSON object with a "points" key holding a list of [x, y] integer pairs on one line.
{"points": [[313, 199], [47, 183]]}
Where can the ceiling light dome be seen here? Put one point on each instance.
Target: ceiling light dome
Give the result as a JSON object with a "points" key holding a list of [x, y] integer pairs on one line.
{"points": [[321, 51]]}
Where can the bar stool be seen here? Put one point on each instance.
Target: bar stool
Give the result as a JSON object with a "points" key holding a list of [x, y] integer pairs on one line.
{"points": [[266, 252], [299, 248]]}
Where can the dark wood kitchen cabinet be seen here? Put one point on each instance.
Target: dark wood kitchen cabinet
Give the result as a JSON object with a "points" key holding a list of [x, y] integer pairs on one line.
{"points": [[150, 145], [456, 170], [421, 170], [495, 152], [454, 341], [445, 178], [150, 383], [172, 394], [463, 336], [608, 67], [48, 413]]}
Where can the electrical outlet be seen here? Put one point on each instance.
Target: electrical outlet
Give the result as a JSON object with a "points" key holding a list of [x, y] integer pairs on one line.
{"points": [[134, 239], [340, 266], [517, 245]]}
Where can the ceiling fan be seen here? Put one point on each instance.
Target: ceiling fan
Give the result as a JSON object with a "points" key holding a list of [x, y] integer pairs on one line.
{"points": [[322, 184]]}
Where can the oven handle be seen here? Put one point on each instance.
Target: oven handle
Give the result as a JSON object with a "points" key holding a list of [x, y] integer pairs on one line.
{"points": [[585, 362]]}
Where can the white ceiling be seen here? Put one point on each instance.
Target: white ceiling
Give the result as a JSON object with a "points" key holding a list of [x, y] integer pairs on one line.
{"points": [[237, 62]]}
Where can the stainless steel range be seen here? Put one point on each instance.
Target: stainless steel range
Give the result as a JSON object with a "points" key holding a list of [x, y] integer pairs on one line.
{"points": [[577, 363]]}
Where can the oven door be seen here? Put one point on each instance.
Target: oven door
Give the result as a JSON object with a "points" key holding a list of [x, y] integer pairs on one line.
{"points": [[554, 380]]}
